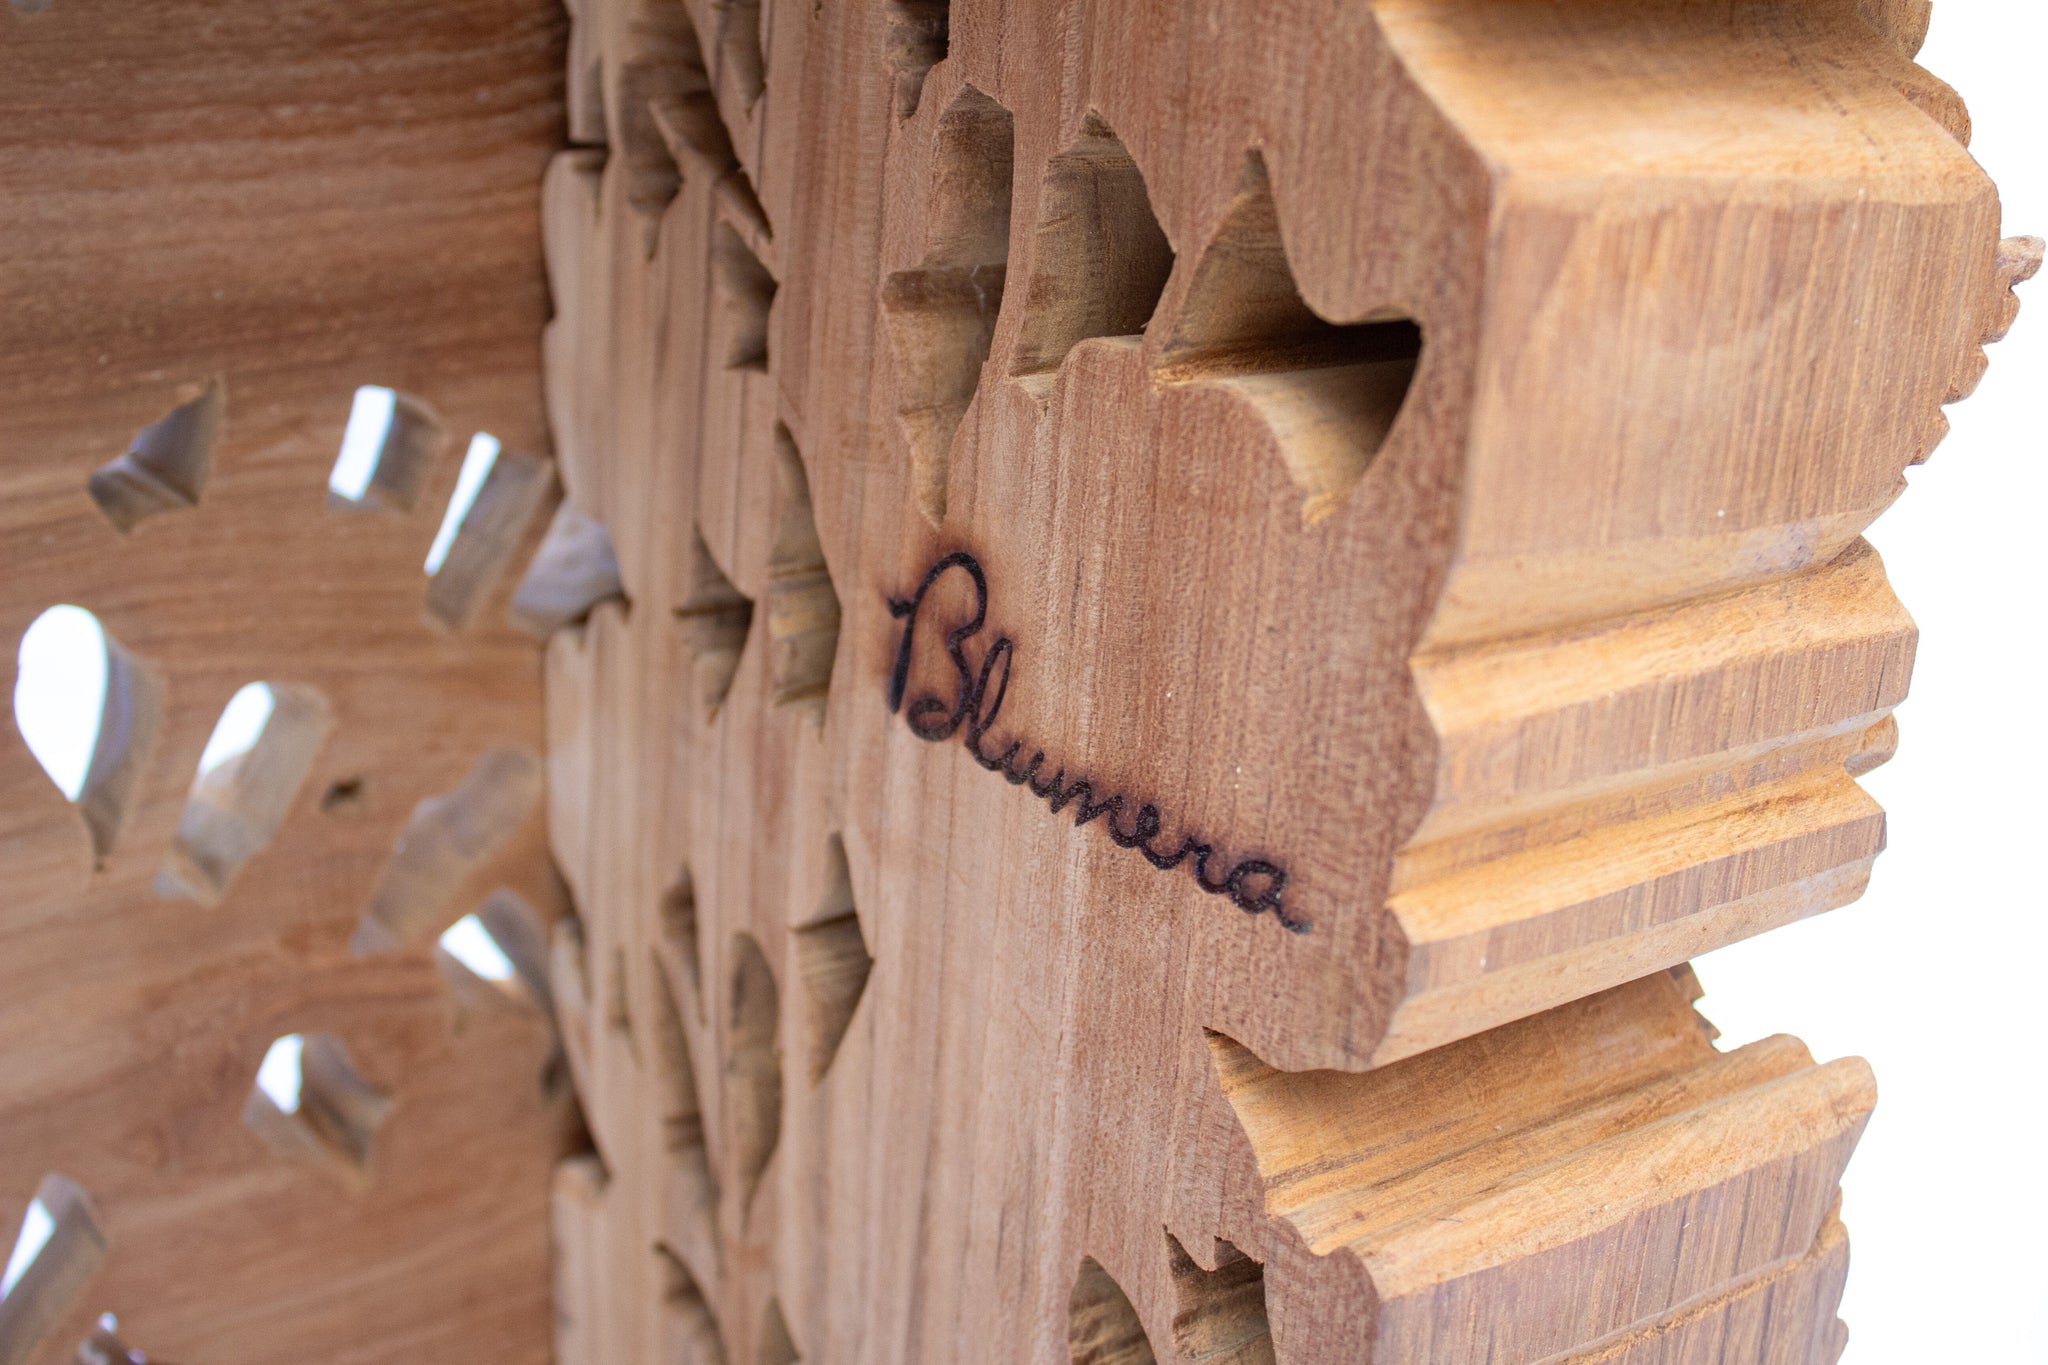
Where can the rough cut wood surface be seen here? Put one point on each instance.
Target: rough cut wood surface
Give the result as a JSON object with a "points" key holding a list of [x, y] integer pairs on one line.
{"points": [[285, 200], [1393, 475]]}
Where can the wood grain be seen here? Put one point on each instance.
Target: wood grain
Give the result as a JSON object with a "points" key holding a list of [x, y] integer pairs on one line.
{"points": [[283, 201], [1399, 471], [1166, 625]]}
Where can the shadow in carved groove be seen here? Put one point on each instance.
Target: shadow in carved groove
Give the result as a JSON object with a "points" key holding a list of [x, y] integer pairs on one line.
{"points": [[574, 569], [740, 50], [56, 1254], [919, 32], [661, 75], [689, 1331], [250, 773], [1100, 259], [941, 317], [1330, 394], [682, 1113], [715, 622], [1219, 1316], [745, 292], [695, 136], [1102, 1326], [309, 1104], [777, 1346], [344, 797], [89, 712], [803, 608], [445, 839], [679, 933], [167, 465], [833, 962], [618, 1001], [753, 1090]]}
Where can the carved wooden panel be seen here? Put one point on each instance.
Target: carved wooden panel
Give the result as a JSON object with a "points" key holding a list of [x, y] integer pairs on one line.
{"points": [[1216, 599], [218, 222]]}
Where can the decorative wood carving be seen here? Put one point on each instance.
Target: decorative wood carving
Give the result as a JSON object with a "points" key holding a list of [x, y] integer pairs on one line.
{"points": [[1382, 488], [219, 221], [1163, 628]]}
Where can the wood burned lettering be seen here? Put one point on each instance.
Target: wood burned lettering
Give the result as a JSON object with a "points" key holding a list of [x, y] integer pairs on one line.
{"points": [[1254, 885]]}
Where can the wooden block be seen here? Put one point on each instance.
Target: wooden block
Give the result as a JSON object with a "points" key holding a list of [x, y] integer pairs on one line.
{"points": [[1602, 1160], [1343, 534]]}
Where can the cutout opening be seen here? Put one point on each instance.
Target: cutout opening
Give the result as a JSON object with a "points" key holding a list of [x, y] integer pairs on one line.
{"points": [[833, 961], [60, 693], [941, 317], [471, 946], [1330, 393], [1219, 1316], [89, 712], [254, 764], [387, 450], [1101, 259], [477, 461], [166, 467], [803, 607], [754, 1068], [919, 31], [497, 956], [573, 571], [716, 619], [447, 838], [494, 502], [309, 1104], [689, 1331], [56, 1253], [1102, 1326], [745, 292]]}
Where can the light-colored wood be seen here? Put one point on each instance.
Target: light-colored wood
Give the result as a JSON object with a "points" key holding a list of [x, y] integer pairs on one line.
{"points": [[1409, 457]]}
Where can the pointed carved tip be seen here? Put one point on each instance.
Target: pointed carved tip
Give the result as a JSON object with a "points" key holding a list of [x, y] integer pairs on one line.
{"points": [[2019, 260]]}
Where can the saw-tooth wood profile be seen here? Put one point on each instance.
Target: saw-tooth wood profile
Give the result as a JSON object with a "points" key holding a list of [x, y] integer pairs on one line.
{"points": [[1089, 672]]}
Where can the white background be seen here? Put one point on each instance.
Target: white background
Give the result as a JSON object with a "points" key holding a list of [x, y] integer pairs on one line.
{"points": [[1937, 975]]}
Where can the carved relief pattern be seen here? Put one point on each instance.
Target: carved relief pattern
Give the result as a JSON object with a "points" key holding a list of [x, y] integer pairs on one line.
{"points": [[1394, 464]]}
